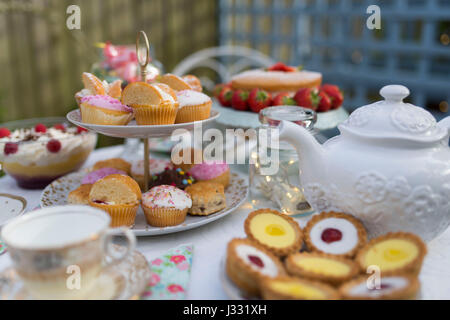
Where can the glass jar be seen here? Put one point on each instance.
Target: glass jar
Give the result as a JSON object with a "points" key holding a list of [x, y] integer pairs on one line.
{"points": [[279, 188]]}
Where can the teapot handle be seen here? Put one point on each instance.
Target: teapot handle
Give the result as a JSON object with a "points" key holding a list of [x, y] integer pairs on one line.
{"points": [[445, 123]]}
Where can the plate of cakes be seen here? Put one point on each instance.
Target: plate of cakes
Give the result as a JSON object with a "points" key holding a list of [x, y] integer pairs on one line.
{"points": [[180, 197], [248, 92], [331, 258], [141, 109]]}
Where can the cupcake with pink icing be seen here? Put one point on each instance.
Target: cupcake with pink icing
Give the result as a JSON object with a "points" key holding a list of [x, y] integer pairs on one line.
{"points": [[104, 110], [193, 106], [218, 172], [165, 206], [94, 176]]}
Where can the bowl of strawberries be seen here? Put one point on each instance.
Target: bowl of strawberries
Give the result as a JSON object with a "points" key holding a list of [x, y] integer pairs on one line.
{"points": [[240, 101]]}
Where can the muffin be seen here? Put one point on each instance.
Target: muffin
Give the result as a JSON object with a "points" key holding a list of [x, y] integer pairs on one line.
{"points": [[165, 206], [80, 195], [193, 82], [212, 171], [94, 176], [173, 177], [116, 163], [104, 110], [247, 263], [152, 104], [207, 198], [156, 167], [175, 82], [187, 158], [193, 106], [275, 231], [119, 196]]}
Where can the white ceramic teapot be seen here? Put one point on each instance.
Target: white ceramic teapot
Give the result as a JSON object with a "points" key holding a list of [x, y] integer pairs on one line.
{"points": [[389, 167]]}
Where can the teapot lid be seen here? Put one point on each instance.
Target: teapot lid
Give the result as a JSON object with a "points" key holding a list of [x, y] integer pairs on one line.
{"points": [[392, 118]]}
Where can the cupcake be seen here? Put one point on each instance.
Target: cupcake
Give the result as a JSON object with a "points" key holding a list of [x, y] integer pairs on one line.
{"points": [[207, 198], [94, 86], [193, 82], [119, 196], [116, 163], [194, 106], [175, 82], [173, 177], [152, 104], [156, 167], [80, 195], [104, 110], [212, 171], [94, 176], [165, 206]]}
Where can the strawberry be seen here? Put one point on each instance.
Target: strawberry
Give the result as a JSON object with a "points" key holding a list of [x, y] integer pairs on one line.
{"points": [[280, 66], [335, 95], [324, 103], [283, 99], [81, 129], [259, 99], [40, 128], [307, 98], [240, 100], [60, 126], [225, 96], [4, 132], [218, 89]]}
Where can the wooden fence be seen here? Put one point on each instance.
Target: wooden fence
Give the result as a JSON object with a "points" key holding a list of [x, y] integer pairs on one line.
{"points": [[41, 61]]}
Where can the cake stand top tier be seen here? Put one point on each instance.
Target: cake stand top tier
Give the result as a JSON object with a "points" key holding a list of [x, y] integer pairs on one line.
{"points": [[132, 130]]}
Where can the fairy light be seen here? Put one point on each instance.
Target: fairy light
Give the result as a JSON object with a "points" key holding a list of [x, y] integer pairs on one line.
{"points": [[445, 39], [443, 106]]}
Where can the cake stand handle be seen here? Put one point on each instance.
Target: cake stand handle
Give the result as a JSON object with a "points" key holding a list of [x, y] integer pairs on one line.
{"points": [[143, 64]]}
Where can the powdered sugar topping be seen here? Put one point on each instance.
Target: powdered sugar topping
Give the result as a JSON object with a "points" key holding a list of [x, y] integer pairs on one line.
{"points": [[191, 98]]}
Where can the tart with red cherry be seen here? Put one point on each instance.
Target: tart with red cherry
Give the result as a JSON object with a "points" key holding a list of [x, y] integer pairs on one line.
{"points": [[247, 263], [335, 233]]}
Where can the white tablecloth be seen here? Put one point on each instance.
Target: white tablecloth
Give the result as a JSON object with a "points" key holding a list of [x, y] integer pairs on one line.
{"points": [[210, 242]]}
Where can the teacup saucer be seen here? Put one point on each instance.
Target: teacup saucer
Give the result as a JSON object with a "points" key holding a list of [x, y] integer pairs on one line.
{"points": [[122, 281], [12, 207]]}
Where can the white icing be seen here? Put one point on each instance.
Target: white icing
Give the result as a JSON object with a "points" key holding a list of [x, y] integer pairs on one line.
{"points": [[166, 197], [349, 236], [36, 152], [156, 166], [270, 268], [394, 283], [284, 76], [165, 95], [191, 98]]}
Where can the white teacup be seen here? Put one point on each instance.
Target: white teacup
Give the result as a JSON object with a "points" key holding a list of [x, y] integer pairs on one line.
{"points": [[59, 252]]}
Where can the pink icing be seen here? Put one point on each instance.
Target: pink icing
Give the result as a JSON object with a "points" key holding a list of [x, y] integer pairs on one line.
{"points": [[96, 175], [106, 102], [208, 170]]}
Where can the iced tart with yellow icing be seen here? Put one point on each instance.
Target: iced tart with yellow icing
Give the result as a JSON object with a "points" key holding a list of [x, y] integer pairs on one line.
{"points": [[335, 233], [274, 231], [321, 267], [248, 262], [290, 288], [398, 287], [394, 253]]}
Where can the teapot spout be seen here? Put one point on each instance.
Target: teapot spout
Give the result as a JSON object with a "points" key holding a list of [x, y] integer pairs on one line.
{"points": [[308, 149]]}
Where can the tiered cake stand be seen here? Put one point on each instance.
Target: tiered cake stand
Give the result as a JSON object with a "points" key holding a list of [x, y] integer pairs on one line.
{"points": [[234, 197]]}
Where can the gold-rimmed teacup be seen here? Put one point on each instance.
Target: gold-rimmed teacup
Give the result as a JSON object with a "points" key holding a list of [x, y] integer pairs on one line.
{"points": [[59, 252]]}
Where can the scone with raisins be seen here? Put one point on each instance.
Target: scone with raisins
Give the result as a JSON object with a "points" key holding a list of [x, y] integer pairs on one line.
{"points": [[207, 198]]}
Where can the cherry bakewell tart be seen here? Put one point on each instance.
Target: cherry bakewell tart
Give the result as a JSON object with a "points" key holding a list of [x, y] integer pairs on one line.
{"points": [[247, 263], [394, 253], [321, 267], [275, 231], [290, 288], [335, 233], [398, 287]]}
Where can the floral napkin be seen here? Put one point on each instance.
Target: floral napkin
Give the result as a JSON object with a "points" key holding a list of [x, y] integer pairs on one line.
{"points": [[170, 275]]}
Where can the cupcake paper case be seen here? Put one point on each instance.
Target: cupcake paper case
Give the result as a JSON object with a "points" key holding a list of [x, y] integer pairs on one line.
{"points": [[193, 106]]}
